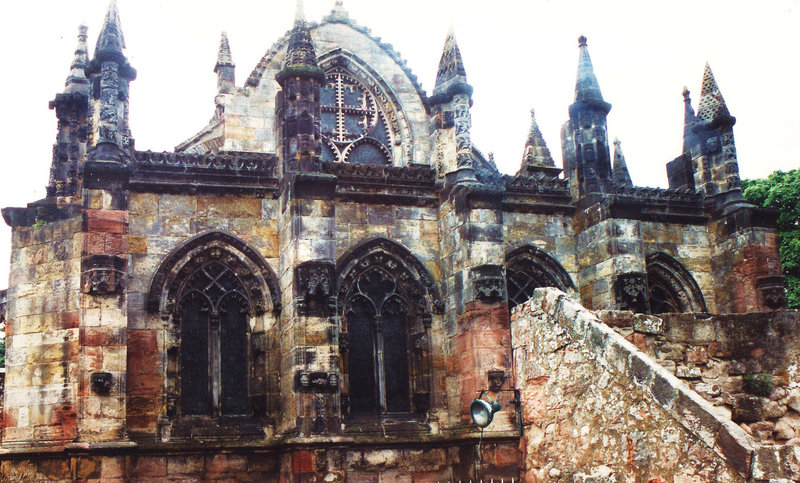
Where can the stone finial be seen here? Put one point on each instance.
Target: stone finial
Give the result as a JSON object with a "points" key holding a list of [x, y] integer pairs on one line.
{"points": [[621, 175], [76, 81], [536, 151], [338, 14], [712, 105]]}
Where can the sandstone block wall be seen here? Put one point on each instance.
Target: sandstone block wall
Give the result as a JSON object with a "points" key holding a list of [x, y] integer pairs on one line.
{"points": [[43, 335], [595, 406]]}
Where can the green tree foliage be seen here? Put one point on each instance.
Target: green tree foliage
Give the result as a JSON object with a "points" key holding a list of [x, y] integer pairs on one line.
{"points": [[781, 190], [3, 352]]}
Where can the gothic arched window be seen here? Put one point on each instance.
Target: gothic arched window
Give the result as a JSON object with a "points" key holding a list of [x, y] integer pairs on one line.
{"points": [[214, 357], [529, 268], [213, 291], [671, 287], [385, 299]]}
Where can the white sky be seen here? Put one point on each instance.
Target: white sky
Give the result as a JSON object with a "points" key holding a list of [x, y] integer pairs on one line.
{"points": [[518, 54]]}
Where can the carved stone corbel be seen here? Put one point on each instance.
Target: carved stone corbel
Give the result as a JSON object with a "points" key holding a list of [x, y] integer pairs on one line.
{"points": [[103, 274], [488, 283]]}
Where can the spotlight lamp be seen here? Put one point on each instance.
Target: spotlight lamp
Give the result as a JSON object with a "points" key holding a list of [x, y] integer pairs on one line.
{"points": [[482, 411]]}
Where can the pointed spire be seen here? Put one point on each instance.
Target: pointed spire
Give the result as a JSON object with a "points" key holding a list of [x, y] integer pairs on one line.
{"points": [[712, 105], [224, 58], [451, 65], [587, 89], [621, 175], [301, 58], [110, 42], [536, 151], [76, 81]]}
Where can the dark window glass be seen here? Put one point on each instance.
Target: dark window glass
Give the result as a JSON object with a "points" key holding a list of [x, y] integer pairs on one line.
{"points": [[194, 358]]}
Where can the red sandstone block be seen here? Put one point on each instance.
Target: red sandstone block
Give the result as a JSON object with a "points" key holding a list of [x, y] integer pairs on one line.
{"points": [[140, 341], [107, 221], [101, 336], [302, 462], [143, 362], [144, 383], [144, 424], [94, 243], [69, 320], [146, 466], [94, 358], [505, 455], [116, 245], [697, 355], [225, 463], [112, 467], [190, 465]]}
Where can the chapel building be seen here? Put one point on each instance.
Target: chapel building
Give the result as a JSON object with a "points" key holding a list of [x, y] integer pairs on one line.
{"points": [[320, 281]]}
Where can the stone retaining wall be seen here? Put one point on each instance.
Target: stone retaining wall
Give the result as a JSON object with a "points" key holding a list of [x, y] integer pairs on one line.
{"points": [[593, 405], [746, 365]]}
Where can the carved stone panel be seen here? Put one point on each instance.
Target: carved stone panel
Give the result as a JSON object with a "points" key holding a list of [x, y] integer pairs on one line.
{"points": [[632, 292], [314, 288]]}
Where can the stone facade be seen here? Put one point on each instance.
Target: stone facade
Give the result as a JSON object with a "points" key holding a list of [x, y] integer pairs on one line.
{"points": [[317, 285]]}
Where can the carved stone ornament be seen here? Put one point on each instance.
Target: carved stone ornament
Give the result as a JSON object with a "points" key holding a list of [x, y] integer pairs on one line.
{"points": [[101, 383], [314, 288], [488, 283], [316, 382], [103, 274], [773, 292], [496, 379], [632, 292]]}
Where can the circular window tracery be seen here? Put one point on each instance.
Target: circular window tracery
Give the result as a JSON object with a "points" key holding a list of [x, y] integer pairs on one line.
{"points": [[350, 113]]}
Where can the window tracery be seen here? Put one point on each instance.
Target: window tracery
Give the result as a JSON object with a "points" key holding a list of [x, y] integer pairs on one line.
{"points": [[671, 287], [214, 291], [529, 268], [385, 307]]}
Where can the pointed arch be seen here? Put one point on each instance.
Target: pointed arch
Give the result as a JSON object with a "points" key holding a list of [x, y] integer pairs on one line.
{"points": [[671, 287], [256, 280], [385, 301], [396, 258], [528, 268]]}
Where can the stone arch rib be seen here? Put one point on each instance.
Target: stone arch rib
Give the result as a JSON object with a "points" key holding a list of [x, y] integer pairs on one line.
{"points": [[347, 269], [528, 268], [260, 280], [671, 287]]}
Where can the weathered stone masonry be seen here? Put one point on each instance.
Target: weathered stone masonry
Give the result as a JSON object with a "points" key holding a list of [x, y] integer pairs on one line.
{"points": [[317, 284]]}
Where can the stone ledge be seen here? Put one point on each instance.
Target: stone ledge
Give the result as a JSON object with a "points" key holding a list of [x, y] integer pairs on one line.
{"points": [[693, 412]]}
